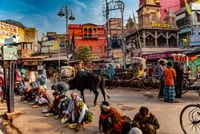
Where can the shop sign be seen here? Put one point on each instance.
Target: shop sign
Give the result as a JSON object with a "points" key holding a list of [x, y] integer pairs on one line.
{"points": [[9, 52], [48, 43], [160, 24], [156, 56], [194, 40], [117, 53], [94, 56]]}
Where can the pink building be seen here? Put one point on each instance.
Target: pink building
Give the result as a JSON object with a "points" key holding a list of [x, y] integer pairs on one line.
{"points": [[173, 5]]}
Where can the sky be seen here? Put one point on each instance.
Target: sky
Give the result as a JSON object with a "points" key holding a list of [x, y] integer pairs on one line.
{"points": [[42, 14]]}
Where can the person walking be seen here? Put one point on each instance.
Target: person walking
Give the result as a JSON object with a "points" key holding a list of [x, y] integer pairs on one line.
{"points": [[111, 74], [169, 75]]}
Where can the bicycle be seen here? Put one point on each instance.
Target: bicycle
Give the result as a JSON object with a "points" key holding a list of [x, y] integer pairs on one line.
{"points": [[190, 119], [186, 82]]}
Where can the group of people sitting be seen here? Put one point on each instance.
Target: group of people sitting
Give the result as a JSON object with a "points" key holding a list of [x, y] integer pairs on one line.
{"points": [[72, 110], [112, 122]]}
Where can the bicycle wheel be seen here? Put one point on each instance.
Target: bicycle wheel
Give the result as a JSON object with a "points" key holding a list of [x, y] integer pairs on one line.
{"points": [[141, 84], [184, 86], [190, 119]]}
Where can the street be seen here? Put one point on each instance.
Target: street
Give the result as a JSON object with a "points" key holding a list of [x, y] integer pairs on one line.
{"points": [[126, 100]]}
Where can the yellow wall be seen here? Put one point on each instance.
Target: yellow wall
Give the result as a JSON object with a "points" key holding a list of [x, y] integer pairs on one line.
{"points": [[21, 34], [6, 30]]}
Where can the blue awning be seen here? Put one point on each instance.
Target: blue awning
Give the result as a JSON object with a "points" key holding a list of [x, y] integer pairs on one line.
{"points": [[184, 30]]}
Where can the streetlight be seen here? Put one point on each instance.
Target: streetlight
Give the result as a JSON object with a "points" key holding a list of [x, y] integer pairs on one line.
{"points": [[65, 12]]}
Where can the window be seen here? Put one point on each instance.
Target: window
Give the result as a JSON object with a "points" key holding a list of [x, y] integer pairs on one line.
{"points": [[100, 49], [90, 48], [90, 32], [105, 49], [198, 17]]}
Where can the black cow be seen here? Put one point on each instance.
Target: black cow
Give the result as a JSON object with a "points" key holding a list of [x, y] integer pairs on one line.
{"points": [[88, 80]]}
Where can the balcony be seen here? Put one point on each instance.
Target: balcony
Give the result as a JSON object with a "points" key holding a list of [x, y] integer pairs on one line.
{"points": [[90, 36]]}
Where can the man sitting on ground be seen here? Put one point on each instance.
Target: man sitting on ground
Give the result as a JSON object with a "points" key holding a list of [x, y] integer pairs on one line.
{"points": [[111, 121], [146, 121], [76, 110]]}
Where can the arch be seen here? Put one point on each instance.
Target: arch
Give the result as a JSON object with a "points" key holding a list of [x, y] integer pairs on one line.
{"points": [[172, 35], [162, 41], [90, 32], [161, 34], [150, 41], [172, 41], [149, 33]]}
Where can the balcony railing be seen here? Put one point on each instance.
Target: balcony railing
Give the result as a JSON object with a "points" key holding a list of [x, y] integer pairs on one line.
{"points": [[89, 36]]}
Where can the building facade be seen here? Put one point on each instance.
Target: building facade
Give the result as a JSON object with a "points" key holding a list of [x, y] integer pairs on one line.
{"points": [[27, 38], [173, 5], [152, 35], [90, 35], [189, 25]]}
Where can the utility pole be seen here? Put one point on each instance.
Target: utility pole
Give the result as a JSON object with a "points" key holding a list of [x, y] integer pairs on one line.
{"points": [[113, 5]]}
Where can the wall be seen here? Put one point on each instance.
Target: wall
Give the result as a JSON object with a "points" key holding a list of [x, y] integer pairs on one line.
{"points": [[173, 5]]}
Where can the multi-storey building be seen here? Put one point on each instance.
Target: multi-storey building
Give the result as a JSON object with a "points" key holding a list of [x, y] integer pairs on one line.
{"points": [[14, 32], [173, 5], [90, 35], [189, 25], [154, 37]]}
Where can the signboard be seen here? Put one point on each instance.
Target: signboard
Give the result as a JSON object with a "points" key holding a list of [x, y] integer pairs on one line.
{"points": [[9, 52], [94, 56], [195, 6], [160, 24], [194, 40], [117, 53], [156, 56], [7, 30], [48, 43]]}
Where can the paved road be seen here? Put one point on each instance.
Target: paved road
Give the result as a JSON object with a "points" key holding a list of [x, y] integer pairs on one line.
{"points": [[33, 121]]}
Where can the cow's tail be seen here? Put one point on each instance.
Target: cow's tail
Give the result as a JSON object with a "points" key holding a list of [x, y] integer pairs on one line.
{"points": [[101, 86]]}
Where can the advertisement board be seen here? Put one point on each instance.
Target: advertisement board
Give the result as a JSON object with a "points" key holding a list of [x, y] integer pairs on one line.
{"points": [[194, 40], [9, 52], [117, 53], [48, 43], [6, 30]]}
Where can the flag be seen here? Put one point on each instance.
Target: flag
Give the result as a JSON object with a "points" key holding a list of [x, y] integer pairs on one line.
{"points": [[185, 40], [135, 23], [188, 7], [134, 19], [197, 1]]}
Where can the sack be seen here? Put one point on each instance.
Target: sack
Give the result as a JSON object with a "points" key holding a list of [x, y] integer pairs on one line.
{"points": [[88, 116]]}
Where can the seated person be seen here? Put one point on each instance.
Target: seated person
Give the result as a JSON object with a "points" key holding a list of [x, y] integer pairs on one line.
{"points": [[53, 108], [42, 97], [140, 72], [60, 87], [111, 121], [145, 121], [60, 104], [76, 110]]}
